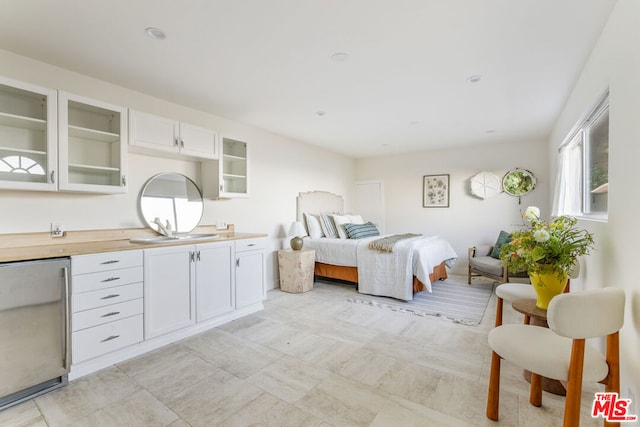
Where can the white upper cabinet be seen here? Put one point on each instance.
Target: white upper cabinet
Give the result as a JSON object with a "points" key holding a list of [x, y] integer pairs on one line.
{"points": [[229, 176], [28, 136], [92, 145], [171, 137]]}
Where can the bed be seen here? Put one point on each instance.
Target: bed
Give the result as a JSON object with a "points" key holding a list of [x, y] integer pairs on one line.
{"points": [[415, 263]]}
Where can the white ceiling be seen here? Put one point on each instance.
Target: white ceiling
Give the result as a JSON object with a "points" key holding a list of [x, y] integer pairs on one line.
{"points": [[268, 63]]}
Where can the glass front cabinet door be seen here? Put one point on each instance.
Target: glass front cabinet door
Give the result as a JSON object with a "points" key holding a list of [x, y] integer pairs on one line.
{"points": [[28, 136], [227, 177], [92, 145]]}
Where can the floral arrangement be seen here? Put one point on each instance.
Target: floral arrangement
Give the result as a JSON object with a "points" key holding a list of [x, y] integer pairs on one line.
{"points": [[543, 246]]}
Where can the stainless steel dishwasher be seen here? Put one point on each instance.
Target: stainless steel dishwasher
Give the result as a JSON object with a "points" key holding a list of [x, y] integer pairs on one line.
{"points": [[34, 328]]}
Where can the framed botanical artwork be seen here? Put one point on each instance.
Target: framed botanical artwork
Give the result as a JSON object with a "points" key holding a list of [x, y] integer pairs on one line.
{"points": [[435, 191]]}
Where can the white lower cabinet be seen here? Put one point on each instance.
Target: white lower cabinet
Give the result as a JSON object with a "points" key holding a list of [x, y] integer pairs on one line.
{"points": [[127, 303], [169, 292], [185, 284], [250, 264], [215, 282], [106, 303]]}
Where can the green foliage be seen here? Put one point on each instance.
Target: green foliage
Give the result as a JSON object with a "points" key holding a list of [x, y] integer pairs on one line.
{"points": [[554, 245]]}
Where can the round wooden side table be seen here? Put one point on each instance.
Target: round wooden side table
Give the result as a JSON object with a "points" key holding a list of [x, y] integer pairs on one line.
{"points": [[537, 317]]}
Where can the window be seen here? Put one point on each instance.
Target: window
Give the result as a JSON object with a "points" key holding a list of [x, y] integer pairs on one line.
{"points": [[582, 184]]}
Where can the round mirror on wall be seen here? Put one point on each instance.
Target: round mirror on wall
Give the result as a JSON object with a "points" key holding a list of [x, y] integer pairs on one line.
{"points": [[518, 182], [174, 199]]}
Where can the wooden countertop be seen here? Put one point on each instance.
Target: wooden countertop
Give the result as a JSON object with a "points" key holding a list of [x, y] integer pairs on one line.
{"points": [[27, 246]]}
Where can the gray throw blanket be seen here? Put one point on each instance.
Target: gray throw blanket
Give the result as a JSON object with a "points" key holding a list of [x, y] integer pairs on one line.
{"points": [[386, 244]]}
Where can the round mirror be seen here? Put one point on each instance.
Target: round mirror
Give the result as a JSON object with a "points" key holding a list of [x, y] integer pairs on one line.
{"points": [[173, 199], [518, 182]]}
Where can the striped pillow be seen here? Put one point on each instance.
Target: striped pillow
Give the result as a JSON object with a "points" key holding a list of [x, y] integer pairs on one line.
{"points": [[358, 231], [328, 226]]}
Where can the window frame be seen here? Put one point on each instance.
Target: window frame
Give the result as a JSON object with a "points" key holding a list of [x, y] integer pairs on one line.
{"points": [[582, 131]]}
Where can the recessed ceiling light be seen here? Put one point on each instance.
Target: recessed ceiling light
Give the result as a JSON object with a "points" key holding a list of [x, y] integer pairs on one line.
{"points": [[320, 113], [340, 57], [474, 79], [155, 33], [490, 131], [414, 122]]}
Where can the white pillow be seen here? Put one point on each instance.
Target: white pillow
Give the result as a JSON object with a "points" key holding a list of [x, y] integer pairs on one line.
{"points": [[313, 226], [341, 220], [356, 219]]}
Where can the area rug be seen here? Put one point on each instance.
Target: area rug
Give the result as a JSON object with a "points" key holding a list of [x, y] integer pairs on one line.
{"points": [[450, 299]]}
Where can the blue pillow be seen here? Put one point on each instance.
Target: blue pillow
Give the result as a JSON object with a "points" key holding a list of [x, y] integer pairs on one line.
{"points": [[503, 239], [359, 231]]}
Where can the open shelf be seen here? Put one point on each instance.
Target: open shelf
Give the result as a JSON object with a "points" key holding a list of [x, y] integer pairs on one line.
{"points": [[92, 134]]}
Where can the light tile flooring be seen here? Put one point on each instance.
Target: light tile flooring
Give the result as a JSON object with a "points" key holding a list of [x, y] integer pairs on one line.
{"points": [[311, 359]]}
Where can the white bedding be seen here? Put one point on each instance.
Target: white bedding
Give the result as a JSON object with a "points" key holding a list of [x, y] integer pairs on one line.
{"points": [[386, 273]]}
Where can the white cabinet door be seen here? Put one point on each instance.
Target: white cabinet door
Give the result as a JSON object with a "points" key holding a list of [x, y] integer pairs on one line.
{"points": [[214, 280], [169, 291], [153, 132], [92, 145], [28, 137], [250, 262], [198, 142]]}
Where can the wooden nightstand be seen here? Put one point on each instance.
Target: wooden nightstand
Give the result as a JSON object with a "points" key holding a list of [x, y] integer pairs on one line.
{"points": [[296, 269]]}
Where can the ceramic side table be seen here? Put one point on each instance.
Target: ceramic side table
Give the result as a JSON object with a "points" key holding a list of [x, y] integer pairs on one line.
{"points": [[296, 269]]}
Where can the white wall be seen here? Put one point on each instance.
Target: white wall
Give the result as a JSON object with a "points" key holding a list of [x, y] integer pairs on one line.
{"points": [[279, 170], [615, 62], [469, 220]]}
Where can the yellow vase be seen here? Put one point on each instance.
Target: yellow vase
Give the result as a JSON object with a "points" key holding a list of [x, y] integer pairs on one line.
{"points": [[547, 285]]}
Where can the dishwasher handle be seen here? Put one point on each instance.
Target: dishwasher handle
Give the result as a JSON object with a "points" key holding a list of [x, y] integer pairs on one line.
{"points": [[67, 320]]}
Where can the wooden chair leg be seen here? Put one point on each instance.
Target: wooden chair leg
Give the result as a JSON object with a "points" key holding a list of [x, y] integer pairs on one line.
{"points": [[574, 385], [493, 395], [499, 306], [612, 382], [527, 319], [535, 392]]}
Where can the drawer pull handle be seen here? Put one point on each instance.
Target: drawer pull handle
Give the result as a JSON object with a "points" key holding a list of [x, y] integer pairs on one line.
{"points": [[113, 313], [110, 296], [251, 244], [111, 261], [112, 337], [111, 279]]}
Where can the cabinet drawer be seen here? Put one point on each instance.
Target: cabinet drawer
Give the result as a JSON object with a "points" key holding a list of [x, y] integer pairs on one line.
{"points": [[250, 244], [109, 313], [102, 339], [106, 279], [93, 263], [114, 295]]}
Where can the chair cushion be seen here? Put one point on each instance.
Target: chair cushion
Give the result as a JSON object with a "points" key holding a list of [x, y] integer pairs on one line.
{"points": [[503, 238], [486, 264], [513, 291], [540, 350]]}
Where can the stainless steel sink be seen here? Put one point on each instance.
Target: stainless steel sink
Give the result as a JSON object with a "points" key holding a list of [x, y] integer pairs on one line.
{"points": [[176, 238]]}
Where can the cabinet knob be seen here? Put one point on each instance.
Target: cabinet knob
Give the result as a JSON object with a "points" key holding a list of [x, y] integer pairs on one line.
{"points": [[124, 180], [53, 177], [182, 143], [175, 142]]}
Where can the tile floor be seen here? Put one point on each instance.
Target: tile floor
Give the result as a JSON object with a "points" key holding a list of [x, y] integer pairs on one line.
{"points": [[311, 359]]}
